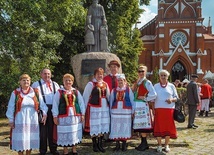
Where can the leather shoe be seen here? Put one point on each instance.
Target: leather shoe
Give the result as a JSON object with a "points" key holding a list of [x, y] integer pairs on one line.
{"points": [[191, 127], [195, 125]]}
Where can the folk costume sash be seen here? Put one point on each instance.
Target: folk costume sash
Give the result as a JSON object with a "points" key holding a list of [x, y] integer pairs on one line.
{"points": [[122, 96], [142, 118], [66, 101], [95, 100]]}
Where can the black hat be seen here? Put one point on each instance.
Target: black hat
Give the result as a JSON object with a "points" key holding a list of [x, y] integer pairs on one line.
{"points": [[194, 76]]}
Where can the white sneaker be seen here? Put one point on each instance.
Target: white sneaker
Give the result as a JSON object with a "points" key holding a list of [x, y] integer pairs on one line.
{"points": [[167, 149], [159, 148]]}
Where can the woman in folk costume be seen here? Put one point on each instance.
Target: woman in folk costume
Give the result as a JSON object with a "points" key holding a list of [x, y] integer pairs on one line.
{"points": [[22, 112], [121, 107], [144, 94], [164, 124], [96, 96], [68, 112]]}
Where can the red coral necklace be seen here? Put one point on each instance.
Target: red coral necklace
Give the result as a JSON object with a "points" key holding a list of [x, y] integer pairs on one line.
{"points": [[28, 90]]}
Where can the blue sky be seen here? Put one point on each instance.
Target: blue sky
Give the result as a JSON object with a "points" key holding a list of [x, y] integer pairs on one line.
{"points": [[151, 12]]}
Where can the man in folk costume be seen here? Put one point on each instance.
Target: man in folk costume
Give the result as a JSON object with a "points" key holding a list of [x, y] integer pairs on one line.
{"points": [[144, 95], [97, 118], [121, 110], [111, 79], [47, 88]]}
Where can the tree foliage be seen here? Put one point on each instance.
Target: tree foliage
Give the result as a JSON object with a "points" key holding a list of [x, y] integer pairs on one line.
{"points": [[46, 33], [144, 2], [125, 41], [30, 33], [155, 77]]}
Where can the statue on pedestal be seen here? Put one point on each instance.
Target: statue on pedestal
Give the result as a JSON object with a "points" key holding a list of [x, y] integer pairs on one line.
{"points": [[99, 22], [96, 42]]}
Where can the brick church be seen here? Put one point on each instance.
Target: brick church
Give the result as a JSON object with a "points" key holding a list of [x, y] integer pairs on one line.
{"points": [[177, 40]]}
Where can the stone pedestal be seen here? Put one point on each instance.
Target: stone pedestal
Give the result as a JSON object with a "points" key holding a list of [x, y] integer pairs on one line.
{"points": [[84, 64]]}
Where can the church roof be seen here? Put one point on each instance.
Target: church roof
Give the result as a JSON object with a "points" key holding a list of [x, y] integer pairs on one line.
{"points": [[209, 75], [208, 36], [148, 37]]}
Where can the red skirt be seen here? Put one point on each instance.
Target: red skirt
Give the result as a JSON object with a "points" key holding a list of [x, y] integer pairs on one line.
{"points": [[164, 124]]}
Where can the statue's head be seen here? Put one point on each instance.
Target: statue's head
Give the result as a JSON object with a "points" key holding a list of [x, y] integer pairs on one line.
{"points": [[104, 21], [95, 1], [88, 19]]}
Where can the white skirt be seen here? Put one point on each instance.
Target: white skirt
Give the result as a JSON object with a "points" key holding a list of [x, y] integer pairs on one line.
{"points": [[99, 119], [25, 135], [69, 130]]}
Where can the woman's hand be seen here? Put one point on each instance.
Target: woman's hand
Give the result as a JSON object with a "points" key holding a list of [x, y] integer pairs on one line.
{"points": [[169, 101], [44, 118], [141, 97], [55, 119], [11, 124], [133, 115], [82, 118]]}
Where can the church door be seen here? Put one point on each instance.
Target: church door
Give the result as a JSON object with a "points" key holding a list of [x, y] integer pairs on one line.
{"points": [[178, 72]]}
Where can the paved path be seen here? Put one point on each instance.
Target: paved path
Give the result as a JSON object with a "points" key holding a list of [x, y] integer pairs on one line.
{"points": [[189, 142]]}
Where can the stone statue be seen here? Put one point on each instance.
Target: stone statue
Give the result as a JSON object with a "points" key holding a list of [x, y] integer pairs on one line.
{"points": [[104, 37], [97, 13], [89, 34]]}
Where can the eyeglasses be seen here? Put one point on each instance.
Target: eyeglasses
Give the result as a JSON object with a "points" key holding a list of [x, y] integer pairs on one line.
{"points": [[142, 71], [163, 75]]}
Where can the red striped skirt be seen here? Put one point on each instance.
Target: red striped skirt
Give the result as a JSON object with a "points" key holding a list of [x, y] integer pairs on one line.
{"points": [[164, 124]]}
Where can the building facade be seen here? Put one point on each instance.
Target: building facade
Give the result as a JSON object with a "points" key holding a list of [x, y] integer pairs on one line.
{"points": [[177, 40]]}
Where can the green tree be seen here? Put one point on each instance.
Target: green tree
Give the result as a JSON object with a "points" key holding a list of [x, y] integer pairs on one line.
{"points": [[38, 34], [124, 40], [31, 31], [155, 77]]}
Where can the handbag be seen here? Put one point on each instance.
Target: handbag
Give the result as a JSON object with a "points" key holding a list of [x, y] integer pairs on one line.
{"points": [[179, 116]]}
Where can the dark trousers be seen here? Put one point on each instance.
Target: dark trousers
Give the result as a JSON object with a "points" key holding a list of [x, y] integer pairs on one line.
{"points": [[192, 112], [46, 133]]}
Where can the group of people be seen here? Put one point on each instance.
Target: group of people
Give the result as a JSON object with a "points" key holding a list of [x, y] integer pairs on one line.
{"points": [[197, 96], [108, 105]]}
